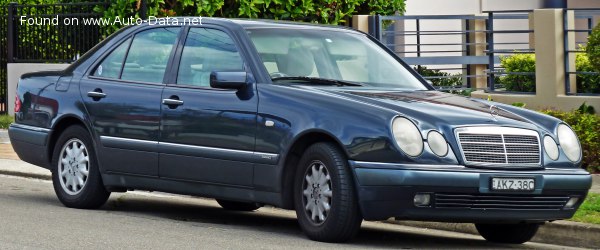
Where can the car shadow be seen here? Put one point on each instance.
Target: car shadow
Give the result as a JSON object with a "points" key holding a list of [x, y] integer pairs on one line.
{"points": [[282, 223]]}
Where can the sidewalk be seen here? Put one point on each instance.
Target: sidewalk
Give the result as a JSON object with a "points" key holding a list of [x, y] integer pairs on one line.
{"points": [[558, 232]]}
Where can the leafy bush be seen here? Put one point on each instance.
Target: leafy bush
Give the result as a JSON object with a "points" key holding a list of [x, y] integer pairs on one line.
{"points": [[593, 48], [445, 80], [5, 121], [518, 63], [586, 83], [320, 11], [587, 128]]}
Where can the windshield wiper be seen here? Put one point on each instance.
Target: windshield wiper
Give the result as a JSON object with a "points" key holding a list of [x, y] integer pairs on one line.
{"points": [[318, 80]]}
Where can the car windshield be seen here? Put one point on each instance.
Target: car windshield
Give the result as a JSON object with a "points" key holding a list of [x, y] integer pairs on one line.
{"points": [[299, 54]]}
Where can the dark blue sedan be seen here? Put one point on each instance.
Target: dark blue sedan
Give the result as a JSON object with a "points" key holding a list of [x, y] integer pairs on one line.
{"points": [[320, 119]]}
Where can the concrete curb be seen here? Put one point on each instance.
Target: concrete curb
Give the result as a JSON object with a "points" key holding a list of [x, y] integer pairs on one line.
{"points": [[26, 175], [564, 233]]}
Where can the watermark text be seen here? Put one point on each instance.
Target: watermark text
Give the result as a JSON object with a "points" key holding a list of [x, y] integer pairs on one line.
{"points": [[101, 21]]}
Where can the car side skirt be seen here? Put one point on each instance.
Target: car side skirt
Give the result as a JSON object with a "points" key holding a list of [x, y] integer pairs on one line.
{"points": [[186, 187]]}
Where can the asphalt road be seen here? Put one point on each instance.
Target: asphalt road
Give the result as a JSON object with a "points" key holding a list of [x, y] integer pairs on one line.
{"points": [[32, 218]]}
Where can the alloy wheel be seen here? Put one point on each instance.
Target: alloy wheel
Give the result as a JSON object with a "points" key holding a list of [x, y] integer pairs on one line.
{"points": [[317, 192], [73, 166]]}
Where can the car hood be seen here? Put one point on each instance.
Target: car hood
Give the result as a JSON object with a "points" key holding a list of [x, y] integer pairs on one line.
{"points": [[440, 109]]}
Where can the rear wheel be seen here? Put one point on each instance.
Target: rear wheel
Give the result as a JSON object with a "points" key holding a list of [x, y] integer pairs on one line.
{"points": [[324, 198], [75, 175], [507, 233], [237, 206]]}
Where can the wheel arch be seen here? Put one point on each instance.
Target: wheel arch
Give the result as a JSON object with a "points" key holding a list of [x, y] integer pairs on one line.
{"points": [[293, 155], [60, 125]]}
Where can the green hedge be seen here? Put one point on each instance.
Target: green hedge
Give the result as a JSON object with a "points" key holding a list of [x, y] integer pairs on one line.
{"points": [[5, 121], [587, 128], [446, 80], [593, 48], [586, 83], [518, 63], [319, 11]]}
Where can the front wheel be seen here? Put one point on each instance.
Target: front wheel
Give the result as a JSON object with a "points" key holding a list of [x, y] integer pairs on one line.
{"points": [[507, 233], [75, 175], [325, 202]]}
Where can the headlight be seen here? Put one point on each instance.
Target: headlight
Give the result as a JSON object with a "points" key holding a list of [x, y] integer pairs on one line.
{"points": [[569, 143], [437, 143], [407, 136], [551, 148]]}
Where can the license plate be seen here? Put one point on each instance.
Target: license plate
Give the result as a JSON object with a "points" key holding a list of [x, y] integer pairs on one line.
{"points": [[513, 184]]}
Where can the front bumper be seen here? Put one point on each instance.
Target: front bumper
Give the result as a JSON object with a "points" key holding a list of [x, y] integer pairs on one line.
{"points": [[461, 194]]}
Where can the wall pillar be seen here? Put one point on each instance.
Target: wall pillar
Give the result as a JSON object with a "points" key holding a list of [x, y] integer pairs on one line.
{"points": [[549, 52], [361, 22], [477, 49]]}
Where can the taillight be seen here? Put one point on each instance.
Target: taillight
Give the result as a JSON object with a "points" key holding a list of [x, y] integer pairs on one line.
{"points": [[17, 104]]}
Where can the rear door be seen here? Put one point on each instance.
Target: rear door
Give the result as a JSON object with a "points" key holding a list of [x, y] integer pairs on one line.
{"points": [[122, 96], [210, 135]]}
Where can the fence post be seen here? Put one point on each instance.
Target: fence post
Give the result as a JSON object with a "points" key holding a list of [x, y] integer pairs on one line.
{"points": [[11, 36], [490, 47], [569, 58], [143, 10]]}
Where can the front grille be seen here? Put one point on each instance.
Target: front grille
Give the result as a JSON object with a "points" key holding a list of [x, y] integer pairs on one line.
{"points": [[499, 145], [508, 202]]}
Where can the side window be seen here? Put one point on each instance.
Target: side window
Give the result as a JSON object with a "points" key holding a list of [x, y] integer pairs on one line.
{"points": [[111, 65], [149, 54], [207, 50]]}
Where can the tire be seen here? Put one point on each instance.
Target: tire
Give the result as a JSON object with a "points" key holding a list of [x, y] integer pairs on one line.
{"points": [[507, 233], [325, 164], [237, 206], [72, 186]]}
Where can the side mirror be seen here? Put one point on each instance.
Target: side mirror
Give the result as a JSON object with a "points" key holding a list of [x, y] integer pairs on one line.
{"points": [[228, 80]]}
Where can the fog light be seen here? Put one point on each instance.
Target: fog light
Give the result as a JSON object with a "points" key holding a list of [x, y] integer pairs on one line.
{"points": [[422, 200], [571, 203]]}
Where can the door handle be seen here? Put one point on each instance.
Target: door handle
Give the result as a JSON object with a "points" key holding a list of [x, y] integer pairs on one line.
{"points": [[172, 102], [96, 94]]}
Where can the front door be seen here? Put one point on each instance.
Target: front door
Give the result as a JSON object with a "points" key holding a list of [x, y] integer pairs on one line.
{"points": [[207, 134], [122, 96]]}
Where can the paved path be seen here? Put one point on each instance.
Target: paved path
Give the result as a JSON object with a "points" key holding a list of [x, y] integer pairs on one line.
{"points": [[7, 152]]}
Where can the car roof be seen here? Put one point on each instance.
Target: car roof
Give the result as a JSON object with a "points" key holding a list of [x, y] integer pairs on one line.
{"points": [[265, 23]]}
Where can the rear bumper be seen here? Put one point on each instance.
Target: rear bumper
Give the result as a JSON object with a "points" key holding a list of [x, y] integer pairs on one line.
{"points": [[460, 194], [30, 144]]}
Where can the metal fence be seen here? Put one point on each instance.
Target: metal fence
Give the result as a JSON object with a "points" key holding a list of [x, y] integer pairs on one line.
{"points": [[51, 32], [414, 38], [497, 76], [3, 59], [45, 33], [587, 80], [447, 59]]}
